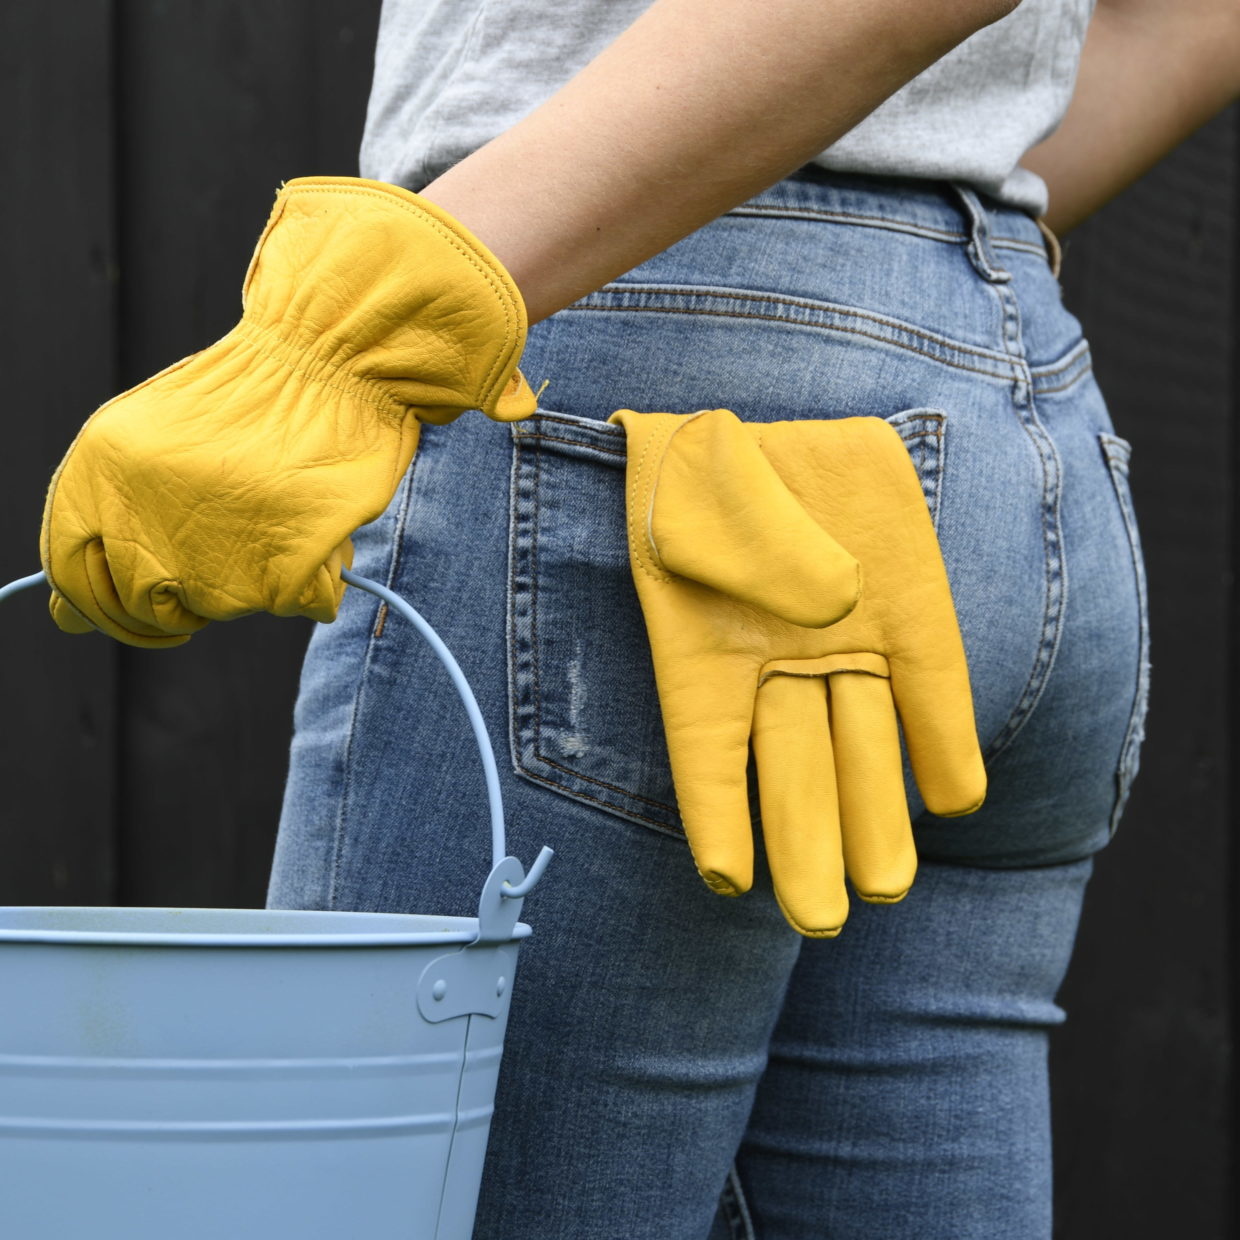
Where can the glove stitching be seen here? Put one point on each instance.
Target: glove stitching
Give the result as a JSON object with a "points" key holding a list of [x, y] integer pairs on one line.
{"points": [[637, 542], [841, 665], [503, 295], [664, 434]]}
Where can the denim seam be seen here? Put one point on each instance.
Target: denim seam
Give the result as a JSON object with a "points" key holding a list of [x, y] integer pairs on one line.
{"points": [[1054, 567], [1015, 243], [1064, 387], [929, 460], [736, 1208], [935, 432], [578, 794], [522, 516], [890, 223], [1001, 358], [511, 652], [1077, 355], [608, 430], [543, 437], [1116, 452], [346, 783], [1077, 364], [1003, 376]]}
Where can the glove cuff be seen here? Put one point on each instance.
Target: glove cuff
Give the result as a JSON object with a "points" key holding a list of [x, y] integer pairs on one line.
{"points": [[369, 278]]}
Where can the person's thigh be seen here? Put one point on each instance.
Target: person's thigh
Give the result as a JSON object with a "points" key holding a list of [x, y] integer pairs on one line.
{"points": [[905, 1095]]}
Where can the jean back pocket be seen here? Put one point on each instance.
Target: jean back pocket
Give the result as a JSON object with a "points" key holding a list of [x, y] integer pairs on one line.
{"points": [[585, 712], [585, 717]]}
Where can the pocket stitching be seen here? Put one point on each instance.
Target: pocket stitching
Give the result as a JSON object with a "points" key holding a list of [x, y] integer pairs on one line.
{"points": [[929, 426]]}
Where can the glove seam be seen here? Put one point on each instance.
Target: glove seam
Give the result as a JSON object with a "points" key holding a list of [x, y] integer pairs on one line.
{"points": [[496, 282], [662, 437], [638, 540]]}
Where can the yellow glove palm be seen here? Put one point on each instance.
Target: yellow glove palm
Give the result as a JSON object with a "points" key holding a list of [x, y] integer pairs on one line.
{"points": [[230, 482], [748, 604]]}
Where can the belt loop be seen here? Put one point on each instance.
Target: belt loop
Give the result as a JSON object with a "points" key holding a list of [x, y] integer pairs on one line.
{"points": [[981, 253], [1054, 251]]}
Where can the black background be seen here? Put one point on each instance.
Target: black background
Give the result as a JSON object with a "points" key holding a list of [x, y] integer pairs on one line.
{"points": [[144, 140]]}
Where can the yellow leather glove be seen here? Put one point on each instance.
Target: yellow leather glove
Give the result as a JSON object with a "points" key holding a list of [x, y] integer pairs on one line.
{"points": [[748, 607], [230, 482]]}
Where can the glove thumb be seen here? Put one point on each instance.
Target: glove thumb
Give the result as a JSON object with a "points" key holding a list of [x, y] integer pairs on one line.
{"points": [[716, 511]]}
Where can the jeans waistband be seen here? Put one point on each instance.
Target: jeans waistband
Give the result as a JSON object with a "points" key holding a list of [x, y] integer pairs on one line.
{"points": [[937, 210]]}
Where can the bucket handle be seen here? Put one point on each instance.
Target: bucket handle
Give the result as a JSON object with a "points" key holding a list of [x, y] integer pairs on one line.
{"points": [[508, 883]]}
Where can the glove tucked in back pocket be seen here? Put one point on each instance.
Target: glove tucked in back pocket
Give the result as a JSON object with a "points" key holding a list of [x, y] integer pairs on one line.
{"points": [[585, 716]]}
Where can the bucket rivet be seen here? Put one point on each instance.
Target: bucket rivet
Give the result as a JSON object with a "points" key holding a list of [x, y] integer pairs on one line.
{"points": [[439, 989], [500, 987]]}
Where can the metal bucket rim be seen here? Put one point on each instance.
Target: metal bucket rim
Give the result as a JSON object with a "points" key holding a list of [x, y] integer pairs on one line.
{"points": [[462, 930]]}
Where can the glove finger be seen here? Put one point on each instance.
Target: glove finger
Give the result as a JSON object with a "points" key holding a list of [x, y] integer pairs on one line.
{"points": [[710, 758], [154, 613], [321, 599], [85, 585], [66, 617], [800, 812], [879, 853], [936, 713], [930, 675]]}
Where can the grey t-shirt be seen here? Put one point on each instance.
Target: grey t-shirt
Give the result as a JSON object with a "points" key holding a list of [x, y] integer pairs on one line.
{"points": [[452, 74]]}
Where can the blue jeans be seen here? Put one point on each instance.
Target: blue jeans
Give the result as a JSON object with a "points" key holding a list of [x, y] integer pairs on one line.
{"points": [[681, 1066]]}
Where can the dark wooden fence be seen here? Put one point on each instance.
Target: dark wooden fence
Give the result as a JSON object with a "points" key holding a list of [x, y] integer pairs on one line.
{"points": [[144, 140]]}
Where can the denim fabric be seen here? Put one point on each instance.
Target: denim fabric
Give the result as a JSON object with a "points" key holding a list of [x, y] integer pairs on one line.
{"points": [[678, 1065]]}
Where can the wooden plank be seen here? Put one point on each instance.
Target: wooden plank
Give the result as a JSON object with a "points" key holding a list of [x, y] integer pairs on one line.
{"points": [[57, 334], [1141, 1085], [223, 101]]}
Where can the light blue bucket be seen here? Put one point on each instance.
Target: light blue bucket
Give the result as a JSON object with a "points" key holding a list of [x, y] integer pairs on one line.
{"points": [[230, 1074]]}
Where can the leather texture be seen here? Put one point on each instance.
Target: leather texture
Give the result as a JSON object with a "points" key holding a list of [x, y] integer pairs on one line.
{"points": [[744, 542], [231, 482]]}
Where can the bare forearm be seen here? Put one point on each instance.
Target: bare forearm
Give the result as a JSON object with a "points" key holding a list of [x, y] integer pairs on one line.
{"points": [[696, 107], [1152, 72]]}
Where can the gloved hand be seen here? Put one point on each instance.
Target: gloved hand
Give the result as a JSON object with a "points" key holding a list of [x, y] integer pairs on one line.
{"points": [[748, 607], [231, 482]]}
